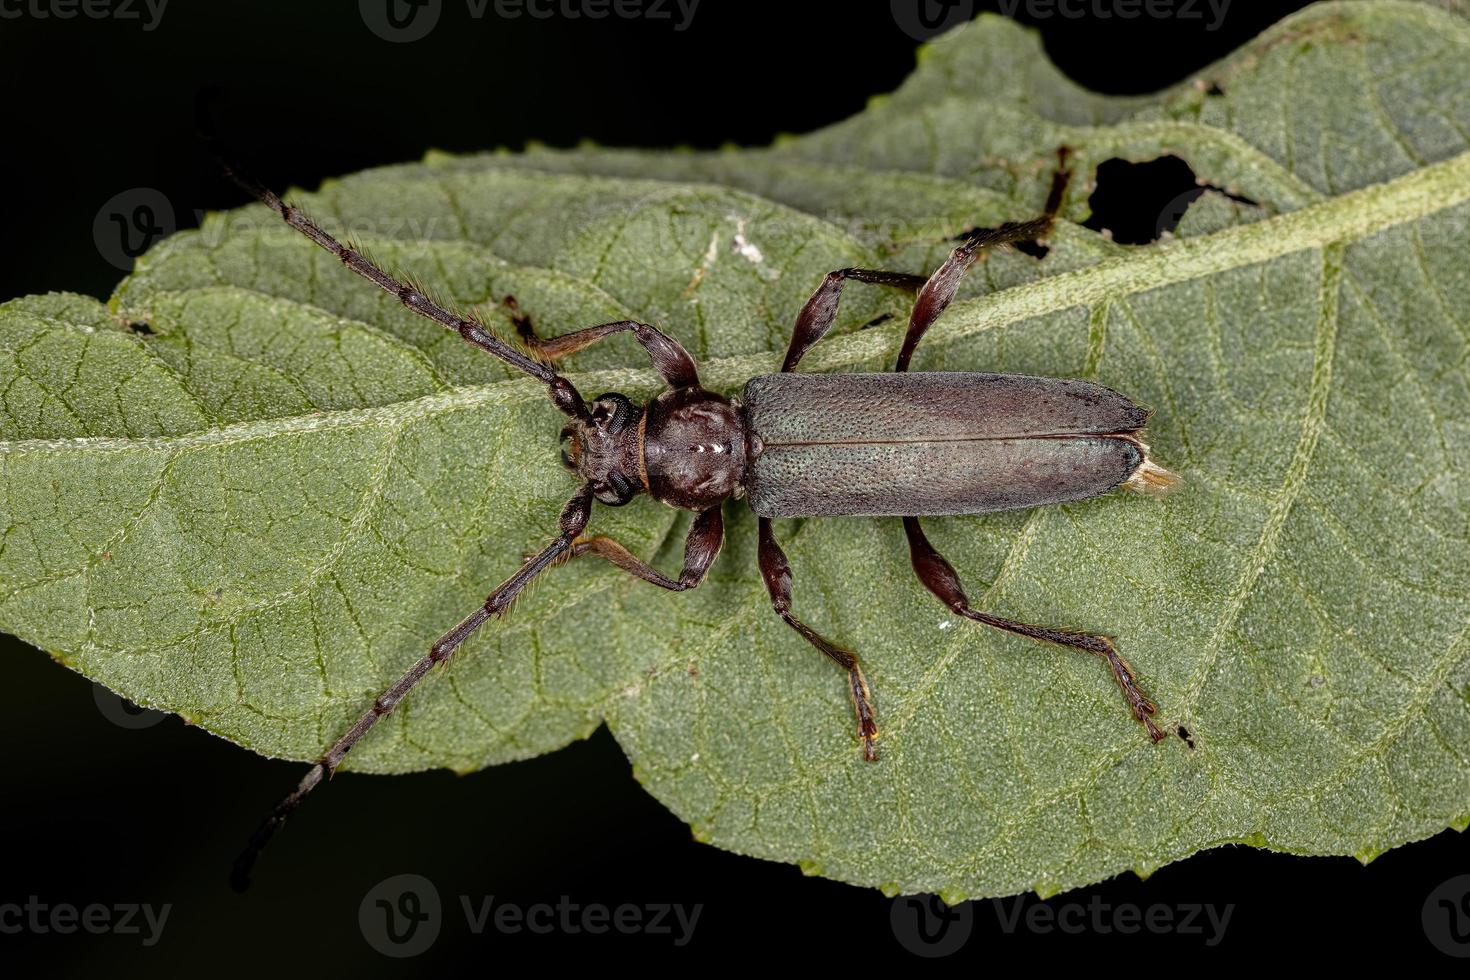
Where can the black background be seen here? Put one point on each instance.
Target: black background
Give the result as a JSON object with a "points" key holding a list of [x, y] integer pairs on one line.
{"points": [[95, 812]]}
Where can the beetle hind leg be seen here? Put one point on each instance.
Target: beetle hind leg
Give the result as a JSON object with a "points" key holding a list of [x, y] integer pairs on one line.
{"points": [[939, 577]]}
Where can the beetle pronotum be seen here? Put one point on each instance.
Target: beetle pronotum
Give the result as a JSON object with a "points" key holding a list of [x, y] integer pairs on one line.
{"points": [[903, 444]]}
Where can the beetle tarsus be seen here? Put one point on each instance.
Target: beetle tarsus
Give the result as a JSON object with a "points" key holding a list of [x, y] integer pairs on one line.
{"points": [[862, 703], [776, 571], [1141, 704]]}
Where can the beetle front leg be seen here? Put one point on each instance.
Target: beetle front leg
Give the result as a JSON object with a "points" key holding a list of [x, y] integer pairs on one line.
{"points": [[939, 577], [776, 571], [669, 357], [701, 548]]}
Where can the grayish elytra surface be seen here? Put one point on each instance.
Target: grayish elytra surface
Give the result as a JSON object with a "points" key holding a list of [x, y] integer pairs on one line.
{"points": [[931, 443], [258, 515]]}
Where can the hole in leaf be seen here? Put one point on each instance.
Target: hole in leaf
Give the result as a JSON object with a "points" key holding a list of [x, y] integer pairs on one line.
{"points": [[141, 329], [1138, 202], [1183, 733]]}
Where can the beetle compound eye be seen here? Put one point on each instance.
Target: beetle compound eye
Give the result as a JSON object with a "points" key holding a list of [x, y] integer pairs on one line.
{"points": [[570, 449], [617, 491], [613, 412]]}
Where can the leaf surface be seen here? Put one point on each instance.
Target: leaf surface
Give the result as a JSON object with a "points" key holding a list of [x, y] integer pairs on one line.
{"points": [[260, 513]]}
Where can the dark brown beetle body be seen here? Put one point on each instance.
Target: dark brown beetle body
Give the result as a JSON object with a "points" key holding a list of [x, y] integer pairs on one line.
{"points": [[889, 445], [798, 445], [693, 453]]}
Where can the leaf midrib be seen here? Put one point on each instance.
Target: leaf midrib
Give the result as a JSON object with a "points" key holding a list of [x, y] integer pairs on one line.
{"points": [[1347, 218]]}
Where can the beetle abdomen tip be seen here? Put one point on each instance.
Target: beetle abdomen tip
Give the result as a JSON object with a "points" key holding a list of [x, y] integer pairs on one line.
{"points": [[1151, 478]]}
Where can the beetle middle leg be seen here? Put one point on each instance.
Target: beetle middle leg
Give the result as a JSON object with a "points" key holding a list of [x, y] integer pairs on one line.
{"points": [[701, 548], [941, 287], [939, 577], [815, 318], [776, 571]]}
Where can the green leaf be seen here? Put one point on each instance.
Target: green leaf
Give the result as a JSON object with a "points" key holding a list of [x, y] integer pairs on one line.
{"points": [[260, 513]]}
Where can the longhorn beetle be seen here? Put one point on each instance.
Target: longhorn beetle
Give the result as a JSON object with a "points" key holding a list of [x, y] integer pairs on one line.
{"points": [[903, 444]]}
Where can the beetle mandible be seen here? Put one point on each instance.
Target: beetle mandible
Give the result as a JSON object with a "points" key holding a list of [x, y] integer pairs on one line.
{"points": [[903, 444]]}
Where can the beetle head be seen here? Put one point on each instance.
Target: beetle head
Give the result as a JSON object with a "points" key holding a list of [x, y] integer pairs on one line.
{"points": [[603, 448]]}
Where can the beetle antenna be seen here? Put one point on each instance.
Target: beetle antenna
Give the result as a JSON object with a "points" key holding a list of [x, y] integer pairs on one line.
{"points": [[563, 394], [573, 522]]}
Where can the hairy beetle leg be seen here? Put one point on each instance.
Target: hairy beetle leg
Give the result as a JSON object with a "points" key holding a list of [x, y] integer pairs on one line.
{"points": [[939, 577], [1141, 704], [862, 703]]}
